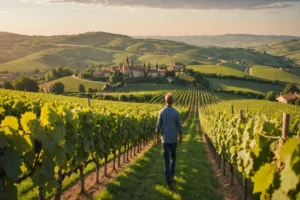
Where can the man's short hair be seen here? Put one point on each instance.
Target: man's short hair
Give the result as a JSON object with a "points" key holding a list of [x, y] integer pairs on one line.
{"points": [[169, 98]]}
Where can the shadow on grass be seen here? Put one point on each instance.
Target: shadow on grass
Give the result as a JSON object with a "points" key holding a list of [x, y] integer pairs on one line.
{"points": [[145, 179]]}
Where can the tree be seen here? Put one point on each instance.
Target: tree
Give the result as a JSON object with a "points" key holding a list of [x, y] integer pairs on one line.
{"points": [[290, 88], [271, 96], [201, 79], [8, 85], [144, 65], [170, 73], [81, 88], [115, 78], [149, 66], [26, 84], [90, 90], [156, 67], [57, 88]]}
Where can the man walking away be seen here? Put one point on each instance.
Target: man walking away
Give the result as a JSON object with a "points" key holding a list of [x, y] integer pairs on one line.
{"points": [[169, 122]]}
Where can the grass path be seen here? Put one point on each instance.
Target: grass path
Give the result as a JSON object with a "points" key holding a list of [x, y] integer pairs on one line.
{"points": [[144, 179]]}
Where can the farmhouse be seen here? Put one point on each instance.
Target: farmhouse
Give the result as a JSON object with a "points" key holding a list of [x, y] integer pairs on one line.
{"points": [[105, 73], [155, 73], [284, 98], [177, 66]]}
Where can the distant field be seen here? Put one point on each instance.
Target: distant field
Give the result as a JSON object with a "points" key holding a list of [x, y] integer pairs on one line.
{"points": [[296, 72], [271, 73], [246, 86], [289, 49], [71, 84], [219, 69], [149, 87]]}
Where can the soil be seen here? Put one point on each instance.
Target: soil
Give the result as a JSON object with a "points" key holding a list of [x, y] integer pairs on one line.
{"points": [[92, 189], [234, 192]]}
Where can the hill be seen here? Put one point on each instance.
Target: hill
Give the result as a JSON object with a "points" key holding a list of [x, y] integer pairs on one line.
{"points": [[271, 73], [228, 40], [244, 86], [22, 53], [223, 69], [71, 84], [289, 49]]}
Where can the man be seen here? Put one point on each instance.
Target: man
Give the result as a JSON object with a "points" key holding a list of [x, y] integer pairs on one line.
{"points": [[169, 122]]}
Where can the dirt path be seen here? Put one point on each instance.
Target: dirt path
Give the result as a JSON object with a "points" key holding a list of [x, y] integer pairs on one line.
{"points": [[93, 189], [234, 192]]}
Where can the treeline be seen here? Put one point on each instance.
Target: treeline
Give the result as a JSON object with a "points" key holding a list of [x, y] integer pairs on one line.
{"points": [[23, 84], [139, 98], [57, 73], [243, 78]]}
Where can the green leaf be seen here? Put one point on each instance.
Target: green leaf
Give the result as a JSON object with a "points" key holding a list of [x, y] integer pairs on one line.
{"points": [[19, 142], [38, 178], [3, 141], [10, 125], [279, 195], [289, 179], [288, 148], [48, 166], [60, 156], [11, 162], [11, 191], [48, 116], [26, 118], [51, 185], [263, 178]]}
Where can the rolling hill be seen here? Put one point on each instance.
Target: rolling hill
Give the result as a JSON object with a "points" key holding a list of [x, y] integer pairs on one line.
{"points": [[245, 86], [228, 40], [289, 49], [71, 84], [22, 53], [223, 69], [271, 73]]}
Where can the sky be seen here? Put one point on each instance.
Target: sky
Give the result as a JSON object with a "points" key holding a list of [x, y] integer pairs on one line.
{"points": [[151, 17]]}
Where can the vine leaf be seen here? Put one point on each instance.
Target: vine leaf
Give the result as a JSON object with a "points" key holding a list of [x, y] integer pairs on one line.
{"points": [[11, 162], [263, 178]]}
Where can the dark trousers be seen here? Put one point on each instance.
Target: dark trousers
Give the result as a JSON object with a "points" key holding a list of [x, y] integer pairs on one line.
{"points": [[169, 148]]}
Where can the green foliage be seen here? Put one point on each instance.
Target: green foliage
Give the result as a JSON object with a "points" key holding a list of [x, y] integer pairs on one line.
{"points": [[7, 85], [291, 88], [271, 96], [58, 72], [81, 88], [51, 133], [115, 78], [201, 80], [253, 143], [57, 88], [26, 84]]}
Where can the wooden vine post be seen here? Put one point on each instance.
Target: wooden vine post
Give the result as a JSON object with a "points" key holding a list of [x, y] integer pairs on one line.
{"points": [[89, 102], [245, 180], [285, 126], [230, 164], [219, 156]]}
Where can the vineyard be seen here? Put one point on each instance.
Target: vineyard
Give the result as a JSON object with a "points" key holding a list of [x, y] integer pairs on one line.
{"points": [[260, 142], [46, 140]]}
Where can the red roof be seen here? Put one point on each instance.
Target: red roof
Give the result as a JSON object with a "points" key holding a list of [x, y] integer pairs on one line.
{"points": [[288, 97]]}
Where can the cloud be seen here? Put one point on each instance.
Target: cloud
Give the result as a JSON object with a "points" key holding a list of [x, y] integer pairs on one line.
{"points": [[180, 4]]}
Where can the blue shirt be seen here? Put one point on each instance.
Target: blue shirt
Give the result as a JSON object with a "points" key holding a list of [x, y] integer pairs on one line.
{"points": [[169, 122]]}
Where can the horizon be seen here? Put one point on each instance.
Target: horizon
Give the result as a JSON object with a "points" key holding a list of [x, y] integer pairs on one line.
{"points": [[3, 31], [155, 18]]}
